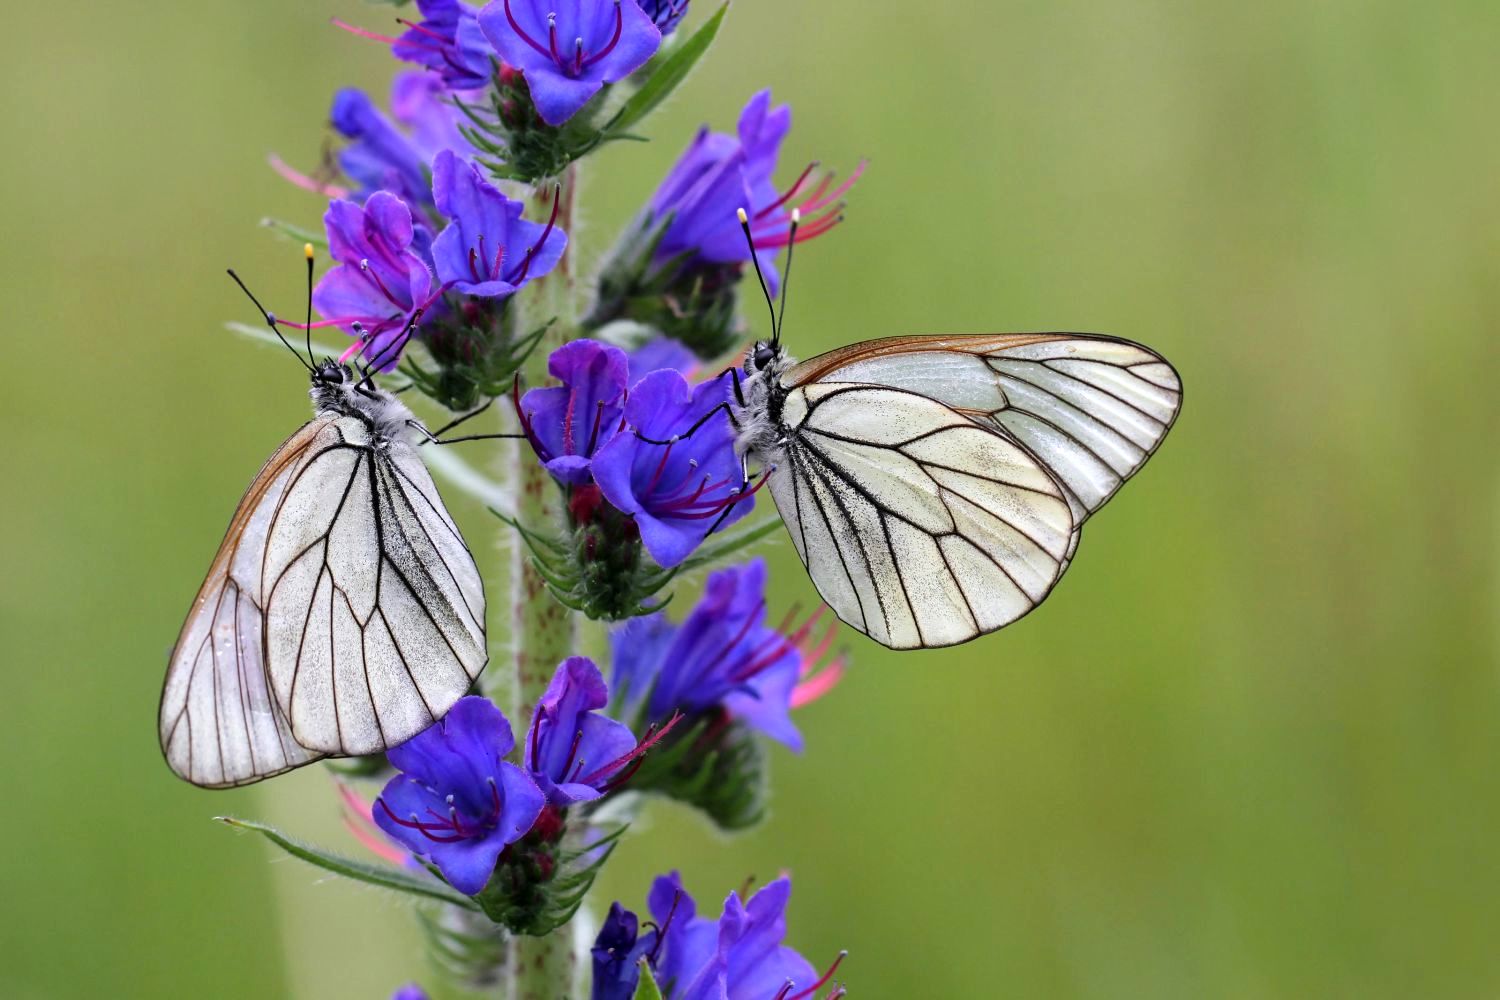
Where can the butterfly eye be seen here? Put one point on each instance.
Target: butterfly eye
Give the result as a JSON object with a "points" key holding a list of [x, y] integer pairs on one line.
{"points": [[764, 355]]}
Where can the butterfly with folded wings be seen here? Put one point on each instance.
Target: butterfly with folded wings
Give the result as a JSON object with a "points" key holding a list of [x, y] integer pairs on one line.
{"points": [[936, 487]]}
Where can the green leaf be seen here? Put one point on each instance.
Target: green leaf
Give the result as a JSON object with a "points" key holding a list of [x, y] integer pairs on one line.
{"points": [[265, 336], [646, 988], [381, 875], [730, 544], [296, 233], [665, 78]]}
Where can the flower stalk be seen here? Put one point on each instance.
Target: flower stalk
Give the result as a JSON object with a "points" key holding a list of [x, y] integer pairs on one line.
{"points": [[542, 631]]}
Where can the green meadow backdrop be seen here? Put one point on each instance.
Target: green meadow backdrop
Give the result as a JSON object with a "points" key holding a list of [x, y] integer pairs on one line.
{"points": [[1247, 749]]}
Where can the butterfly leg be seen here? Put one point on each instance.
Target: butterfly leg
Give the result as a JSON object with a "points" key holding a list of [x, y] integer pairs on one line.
{"points": [[454, 423], [691, 430], [432, 438]]}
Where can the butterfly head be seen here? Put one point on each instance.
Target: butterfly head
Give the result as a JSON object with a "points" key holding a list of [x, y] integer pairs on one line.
{"points": [[760, 357]]}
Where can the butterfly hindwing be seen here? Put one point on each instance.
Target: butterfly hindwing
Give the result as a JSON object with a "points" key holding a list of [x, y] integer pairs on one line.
{"points": [[220, 724], [374, 607], [918, 526], [1071, 415]]}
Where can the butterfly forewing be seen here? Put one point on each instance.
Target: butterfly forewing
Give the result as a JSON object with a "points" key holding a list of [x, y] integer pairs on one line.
{"points": [[938, 485], [919, 527], [342, 615], [374, 606], [220, 725]]}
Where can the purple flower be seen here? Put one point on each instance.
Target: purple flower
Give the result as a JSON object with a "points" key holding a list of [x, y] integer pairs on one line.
{"points": [[677, 490], [567, 424], [569, 49], [457, 802], [379, 157], [740, 956], [665, 14], [487, 249], [379, 283], [719, 174], [420, 103], [573, 752], [659, 353], [448, 41], [724, 655], [411, 991]]}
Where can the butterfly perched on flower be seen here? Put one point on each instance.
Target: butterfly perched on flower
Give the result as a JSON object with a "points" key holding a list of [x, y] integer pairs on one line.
{"points": [[936, 487], [343, 613]]}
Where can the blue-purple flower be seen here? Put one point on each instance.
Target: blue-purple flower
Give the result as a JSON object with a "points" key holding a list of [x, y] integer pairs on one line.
{"points": [[379, 283], [573, 752], [567, 424], [665, 14], [487, 250], [448, 41], [678, 477], [725, 656], [378, 157], [568, 49], [740, 956], [658, 353], [411, 991], [457, 802], [719, 174]]}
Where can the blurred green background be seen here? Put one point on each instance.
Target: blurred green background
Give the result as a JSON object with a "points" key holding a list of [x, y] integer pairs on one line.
{"points": [[1248, 748]]}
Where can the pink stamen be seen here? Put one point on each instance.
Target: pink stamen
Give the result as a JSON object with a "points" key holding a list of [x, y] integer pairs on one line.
{"points": [[552, 41], [363, 32], [615, 40], [653, 737], [660, 467], [422, 29], [810, 690], [790, 192], [303, 181], [516, 27], [820, 200], [525, 266], [815, 987]]}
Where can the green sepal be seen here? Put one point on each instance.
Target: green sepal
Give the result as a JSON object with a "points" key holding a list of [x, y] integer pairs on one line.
{"points": [[473, 360], [715, 765], [465, 945], [381, 875], [645, 987], [538, 887]]}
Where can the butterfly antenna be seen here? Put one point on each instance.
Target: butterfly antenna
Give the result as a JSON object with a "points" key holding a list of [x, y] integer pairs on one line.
{"points": [[306, 251], [755, 263], [786, 274], [270, 319]]}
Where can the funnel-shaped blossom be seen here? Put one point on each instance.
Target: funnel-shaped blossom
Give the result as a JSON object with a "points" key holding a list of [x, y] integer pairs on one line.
{"points": [[572, 751], [448, 41], [568, 423], [740, 956], [676, 471], [379, 283], [569, 49], [724, 655], [379, 157], [487, 250], [719, 174], [457, 802]]}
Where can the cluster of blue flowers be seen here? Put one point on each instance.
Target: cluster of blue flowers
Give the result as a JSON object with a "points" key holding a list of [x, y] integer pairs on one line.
{"points": [[445, 207]]}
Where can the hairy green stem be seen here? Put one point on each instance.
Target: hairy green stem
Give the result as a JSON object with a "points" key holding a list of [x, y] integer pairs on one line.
{"points": [[543, 632]]}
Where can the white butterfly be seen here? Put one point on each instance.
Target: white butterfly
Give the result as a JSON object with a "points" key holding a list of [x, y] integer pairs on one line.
{"points": [[343, 613], [936, 487]]}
